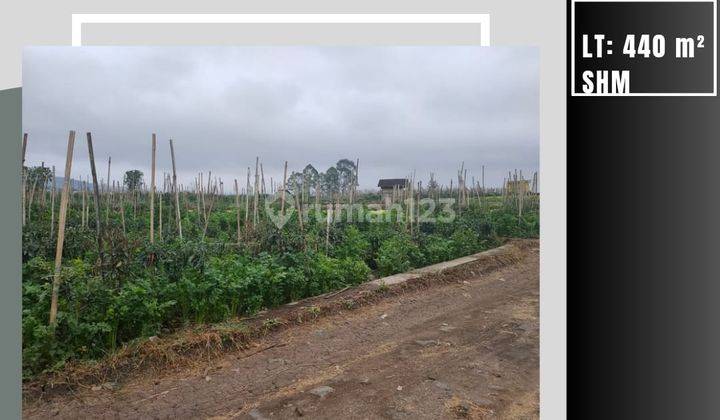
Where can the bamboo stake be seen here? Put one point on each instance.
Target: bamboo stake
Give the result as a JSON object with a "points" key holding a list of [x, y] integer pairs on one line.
{"points": [[82, 215], [327, 227], [87, 208], [207, 221], [317, 195], [61, 230], [152, 190], [52, 205], [262, 176], [237, 209], [357, 176], [160, 231], [256, 192], [247, 200], [44, 188], [282, 194], [202, 197], [109, 194], [298, 204], [96, 189], [177, 193], [122, 212]]}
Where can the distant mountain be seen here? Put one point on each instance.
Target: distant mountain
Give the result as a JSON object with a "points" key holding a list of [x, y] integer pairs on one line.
{"points": [[76, 184]]}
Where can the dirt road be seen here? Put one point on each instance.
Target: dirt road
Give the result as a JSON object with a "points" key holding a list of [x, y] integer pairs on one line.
{"points": [[464, 349]]}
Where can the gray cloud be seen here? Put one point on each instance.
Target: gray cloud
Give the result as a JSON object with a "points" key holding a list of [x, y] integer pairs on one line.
{"points": [[397, 109]]}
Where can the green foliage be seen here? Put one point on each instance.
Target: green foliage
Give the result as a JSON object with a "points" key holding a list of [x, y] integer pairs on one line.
{"points": [[145, 289], [397, 254], [436, 249], [353, 244]]}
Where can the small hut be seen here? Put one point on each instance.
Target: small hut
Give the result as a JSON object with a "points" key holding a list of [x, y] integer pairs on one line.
{"points": [[520, 186], [390, 187]]}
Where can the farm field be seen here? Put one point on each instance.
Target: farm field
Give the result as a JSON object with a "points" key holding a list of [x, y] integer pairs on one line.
{"points": [[463, 346], [140, 261], [280, 231]]}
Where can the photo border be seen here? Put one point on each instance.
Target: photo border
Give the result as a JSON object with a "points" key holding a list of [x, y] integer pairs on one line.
{"points": [[78, 19]]}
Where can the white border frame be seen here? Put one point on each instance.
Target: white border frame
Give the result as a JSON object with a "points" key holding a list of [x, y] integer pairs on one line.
{"points": [[572, 49], [481, 18]]}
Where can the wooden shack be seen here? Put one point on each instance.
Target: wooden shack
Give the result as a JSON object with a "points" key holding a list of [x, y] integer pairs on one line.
{"points": [[520, 186], [390, 187]]}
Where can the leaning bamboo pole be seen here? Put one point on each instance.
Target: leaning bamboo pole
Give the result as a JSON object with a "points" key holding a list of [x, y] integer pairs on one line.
{"points": [[24, 176], [31, 198], [61, 230], [96, 190], [177, 193]]}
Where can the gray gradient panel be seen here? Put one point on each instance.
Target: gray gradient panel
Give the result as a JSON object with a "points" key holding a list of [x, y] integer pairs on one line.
{"points": [[644, 279], [10, 348]]}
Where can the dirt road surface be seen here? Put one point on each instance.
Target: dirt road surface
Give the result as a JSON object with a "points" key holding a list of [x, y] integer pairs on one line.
{"points": [[465, 349]]}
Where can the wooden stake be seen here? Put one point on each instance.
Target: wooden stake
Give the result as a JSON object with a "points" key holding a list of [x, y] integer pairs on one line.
{"points": [[61, 230], [177, 193]]}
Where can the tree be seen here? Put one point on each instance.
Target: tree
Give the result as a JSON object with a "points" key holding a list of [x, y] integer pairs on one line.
{"points": [[310, 178], [40, 173], [432, 184], [295, 182], [346, 173], [133, 179], [331, 181]]}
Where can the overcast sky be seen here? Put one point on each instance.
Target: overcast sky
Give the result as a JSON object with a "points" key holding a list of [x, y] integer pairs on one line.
{"points": [[397, 109]]}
